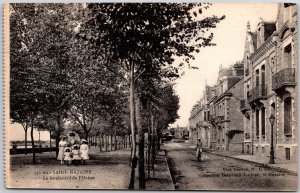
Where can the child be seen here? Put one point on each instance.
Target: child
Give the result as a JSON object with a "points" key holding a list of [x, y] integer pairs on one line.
{"points": [[67, 155], [76, 154], [84, 150]]}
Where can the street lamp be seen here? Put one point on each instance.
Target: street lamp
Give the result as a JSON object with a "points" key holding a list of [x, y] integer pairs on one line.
{"points": [[272, 156]]}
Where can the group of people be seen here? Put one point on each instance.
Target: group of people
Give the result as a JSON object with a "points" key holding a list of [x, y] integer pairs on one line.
{"points": [[71, 152]]}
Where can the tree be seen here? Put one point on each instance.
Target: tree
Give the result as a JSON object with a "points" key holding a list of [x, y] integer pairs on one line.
{"points": [[41, 44], [143, 38]]}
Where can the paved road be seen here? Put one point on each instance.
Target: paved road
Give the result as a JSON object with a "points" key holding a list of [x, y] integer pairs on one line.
{"points": [[220, 173]]}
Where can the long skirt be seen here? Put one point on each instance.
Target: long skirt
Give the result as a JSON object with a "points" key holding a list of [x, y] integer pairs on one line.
{"points": [[84, 155], [61, 153]]}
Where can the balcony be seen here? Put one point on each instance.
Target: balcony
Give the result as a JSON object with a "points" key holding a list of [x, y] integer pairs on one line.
{"points": [[211, 119], [283, 78], [219, 119], [258, 93], [244, 106]]}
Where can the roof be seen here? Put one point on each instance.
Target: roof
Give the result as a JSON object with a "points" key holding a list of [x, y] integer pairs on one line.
{"points": [[254, 40], [269, 29]]}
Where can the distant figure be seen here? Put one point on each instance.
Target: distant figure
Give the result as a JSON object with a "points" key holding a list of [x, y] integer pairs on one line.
{"points": [[76, 154], [84, 150], [62, 145], [199, 149], [68, 156], [14, 148]]}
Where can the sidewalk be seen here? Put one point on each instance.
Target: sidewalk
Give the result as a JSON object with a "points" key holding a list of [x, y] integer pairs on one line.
{"points": [[264, 161], [162, 179], [105, 170]]}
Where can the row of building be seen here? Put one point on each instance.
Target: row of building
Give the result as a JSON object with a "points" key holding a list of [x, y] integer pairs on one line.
{"points": [[233, 115]]}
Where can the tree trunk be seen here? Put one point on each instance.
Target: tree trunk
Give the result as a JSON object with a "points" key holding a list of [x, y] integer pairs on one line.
{"points": [[26, 140], [133, 129], [50, 141], [124, 141], [103, 141], [115, 140], [158, 141], [129, 141], [86, 133], [152, 143], [106, 143], [32, 142], [142, 181], [149, 146], [57, 133], [111, 142], [100, 143]]}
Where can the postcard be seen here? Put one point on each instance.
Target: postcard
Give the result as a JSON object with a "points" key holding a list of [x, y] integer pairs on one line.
{"points": [[151, 96]]}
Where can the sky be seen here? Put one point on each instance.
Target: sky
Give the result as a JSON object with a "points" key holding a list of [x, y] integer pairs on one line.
{"points": [[230, 36]]}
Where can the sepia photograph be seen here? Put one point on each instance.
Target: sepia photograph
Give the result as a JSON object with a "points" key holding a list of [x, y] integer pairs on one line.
{"points": [[151, 96]]}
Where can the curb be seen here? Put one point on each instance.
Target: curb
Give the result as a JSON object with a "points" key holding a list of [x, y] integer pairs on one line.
{"points": [[260, 164], [169, 172]]}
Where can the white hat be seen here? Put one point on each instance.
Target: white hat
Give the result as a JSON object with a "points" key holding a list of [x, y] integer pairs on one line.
{"points": [[67, 148]]}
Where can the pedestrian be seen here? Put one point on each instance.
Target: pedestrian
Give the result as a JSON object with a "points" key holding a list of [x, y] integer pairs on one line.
{"points": [[76, 154], [61, 145], [68, 156], [199, 149], [14, 148], [84, 150]]}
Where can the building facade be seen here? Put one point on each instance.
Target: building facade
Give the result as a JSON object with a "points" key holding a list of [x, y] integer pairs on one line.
{"points": [[284, 82], [228, 128], [247, 94], [216, 118], [269, 86], [199, 125]]}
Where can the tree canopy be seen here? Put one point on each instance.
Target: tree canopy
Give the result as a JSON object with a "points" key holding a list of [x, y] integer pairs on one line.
{"points": [[102, 65]]}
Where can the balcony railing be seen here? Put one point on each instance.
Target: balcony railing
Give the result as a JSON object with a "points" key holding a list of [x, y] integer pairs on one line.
{"points": [[219, 119], [211, 118], [285, 77], [244, 106], [257, 93]]}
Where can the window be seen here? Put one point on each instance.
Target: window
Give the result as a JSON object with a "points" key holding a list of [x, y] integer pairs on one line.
{"points": [[257, 78], [287, 153], [288, 116], [204, 116], [257, 123], [263, 78], [273, 109], [248, 90], [219, 134], [263, 118], [288, 56]]}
